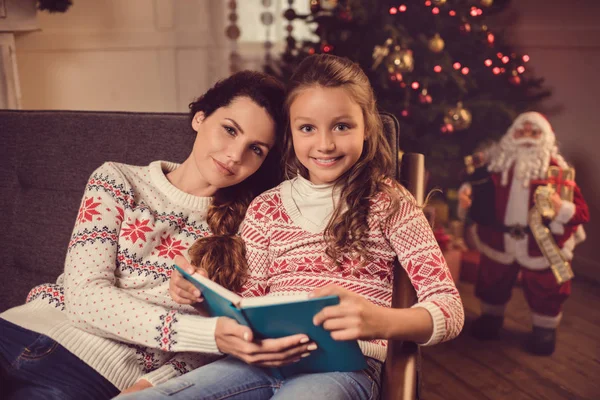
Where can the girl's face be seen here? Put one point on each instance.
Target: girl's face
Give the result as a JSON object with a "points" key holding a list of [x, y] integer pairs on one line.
{"points": [[328, 132], [232, 142]]}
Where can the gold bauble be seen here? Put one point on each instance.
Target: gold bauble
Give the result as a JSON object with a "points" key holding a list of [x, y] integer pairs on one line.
{"points": [[436, 43], [400, 60], [459, 117], [486, 3], [438, 3]]}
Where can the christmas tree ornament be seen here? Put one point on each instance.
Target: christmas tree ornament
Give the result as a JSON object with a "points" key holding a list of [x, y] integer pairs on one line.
{"points": [[458, 117], [486, 3], [380, 52], [400, 60], [436, 43]]}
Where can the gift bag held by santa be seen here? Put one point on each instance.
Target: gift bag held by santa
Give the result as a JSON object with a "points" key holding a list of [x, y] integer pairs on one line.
{"points": [[528, 214]]}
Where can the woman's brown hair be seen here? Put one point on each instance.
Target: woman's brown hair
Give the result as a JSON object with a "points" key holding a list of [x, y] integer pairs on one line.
{"points": [[348, 226], [222, 255]]}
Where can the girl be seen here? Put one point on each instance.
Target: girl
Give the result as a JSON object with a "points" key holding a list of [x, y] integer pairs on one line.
{"points": [[340, 221], [108, 320]]}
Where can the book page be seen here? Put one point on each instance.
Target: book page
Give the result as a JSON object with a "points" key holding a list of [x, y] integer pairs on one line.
{"points": [[220, 290], [269, 300]]}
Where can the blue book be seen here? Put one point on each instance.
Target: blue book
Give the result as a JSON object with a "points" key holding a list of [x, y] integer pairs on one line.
{"points": [[279, 316]]}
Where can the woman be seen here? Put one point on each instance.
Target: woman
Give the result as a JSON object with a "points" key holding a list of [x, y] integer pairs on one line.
{"points": [[109, 322]]}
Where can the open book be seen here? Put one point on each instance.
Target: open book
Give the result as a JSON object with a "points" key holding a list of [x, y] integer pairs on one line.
{"points": [[279, 316]]}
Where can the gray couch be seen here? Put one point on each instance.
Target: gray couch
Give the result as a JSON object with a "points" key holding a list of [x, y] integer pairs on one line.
{"points": [[46, 158]]}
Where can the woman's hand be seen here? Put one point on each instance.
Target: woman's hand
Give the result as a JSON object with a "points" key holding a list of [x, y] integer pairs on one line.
{"points": [[354, 318], [237, 340], [139, 385], [181, 290]]}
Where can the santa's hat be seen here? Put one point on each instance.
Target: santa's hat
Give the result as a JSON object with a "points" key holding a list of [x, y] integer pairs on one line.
{"points": [[537, 119]]}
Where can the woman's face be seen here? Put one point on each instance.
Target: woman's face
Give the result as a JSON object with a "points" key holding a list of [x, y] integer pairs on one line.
{"points": [[232, 143]]}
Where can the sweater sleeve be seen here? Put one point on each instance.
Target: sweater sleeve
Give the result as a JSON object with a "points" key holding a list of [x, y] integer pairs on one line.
{"points": [[255, 235], [93, 301], [413, 241], [179, 364]]}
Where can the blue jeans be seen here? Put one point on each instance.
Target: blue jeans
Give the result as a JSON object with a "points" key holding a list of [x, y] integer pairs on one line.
{"points": [[230, 378], [33, 366]]}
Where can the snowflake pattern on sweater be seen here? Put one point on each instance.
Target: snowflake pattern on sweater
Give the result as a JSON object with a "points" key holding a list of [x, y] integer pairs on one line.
{"points": [[114, 291], [286, 257]]}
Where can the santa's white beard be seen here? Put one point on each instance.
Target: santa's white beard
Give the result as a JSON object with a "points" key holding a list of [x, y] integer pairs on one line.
{"points": [[530, 162]]}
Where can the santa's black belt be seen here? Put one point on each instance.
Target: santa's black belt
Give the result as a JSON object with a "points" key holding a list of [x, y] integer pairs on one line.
{"points": [[516, 231]]}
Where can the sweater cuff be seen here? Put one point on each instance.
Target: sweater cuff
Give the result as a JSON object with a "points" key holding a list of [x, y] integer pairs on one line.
{"points": [[195, 334], [160, 375], [439, 323], [566, 212]]}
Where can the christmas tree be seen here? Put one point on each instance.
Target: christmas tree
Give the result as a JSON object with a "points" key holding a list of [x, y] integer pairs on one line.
{"points": [[451, 80]]}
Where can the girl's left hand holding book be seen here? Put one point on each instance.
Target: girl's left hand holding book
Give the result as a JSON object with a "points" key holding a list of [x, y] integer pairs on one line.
{"points": [[357, 318], [354, 318]]}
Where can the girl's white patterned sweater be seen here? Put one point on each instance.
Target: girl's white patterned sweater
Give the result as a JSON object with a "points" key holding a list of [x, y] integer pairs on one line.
{"points": [[111, 306], [286, 253]]}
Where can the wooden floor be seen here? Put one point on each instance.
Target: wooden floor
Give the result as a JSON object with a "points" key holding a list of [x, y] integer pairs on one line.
{"points": [[469, 369]]}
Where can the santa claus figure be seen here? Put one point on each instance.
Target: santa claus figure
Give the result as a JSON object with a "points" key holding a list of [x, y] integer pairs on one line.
{"points": [[514, 233]]}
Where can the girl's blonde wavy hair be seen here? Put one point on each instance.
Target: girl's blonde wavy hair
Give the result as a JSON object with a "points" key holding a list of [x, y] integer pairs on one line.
{"points": [[348, 227]]}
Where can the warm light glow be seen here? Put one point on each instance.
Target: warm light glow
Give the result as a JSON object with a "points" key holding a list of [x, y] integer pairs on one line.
{"points": [[505, 59], [465, 70], [428, 3], [398, 76], [327, 48], [311, 51], [437, 68], [404, 113], [500, 55], [393, 10], [415, 85], [490, 38], [488, 63], [452, 13], [526, 58], [520, 69], [473, 11], [402, 8], [435, 10], [456, 65], [496, 70]]}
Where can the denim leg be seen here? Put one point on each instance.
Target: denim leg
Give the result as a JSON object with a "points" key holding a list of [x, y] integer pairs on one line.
{"points": [[228, 378], [359, 385], [33, 366]]}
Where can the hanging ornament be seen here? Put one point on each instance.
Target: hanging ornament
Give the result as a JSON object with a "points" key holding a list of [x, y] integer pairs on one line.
{"points": [[289, 14], [458, 117], [436, 43], [381, 52], [233, 33], [400, 60], [486, 3], [438, 2], [266, 17]]}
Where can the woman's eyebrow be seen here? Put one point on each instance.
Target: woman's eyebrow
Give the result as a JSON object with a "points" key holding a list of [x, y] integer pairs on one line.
{"points": [[237, 126]]}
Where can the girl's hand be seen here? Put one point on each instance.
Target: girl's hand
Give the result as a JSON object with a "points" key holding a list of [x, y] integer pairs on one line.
{"points": [[237, 340], [354, 318], [181, 290], [139, 385], [464, 198]]}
